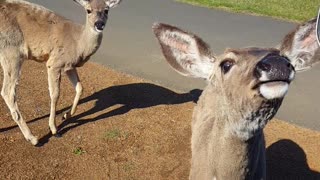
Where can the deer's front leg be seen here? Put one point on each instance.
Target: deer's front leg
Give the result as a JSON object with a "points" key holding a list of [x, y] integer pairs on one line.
{"points": [[54, 78], [74, 79]]}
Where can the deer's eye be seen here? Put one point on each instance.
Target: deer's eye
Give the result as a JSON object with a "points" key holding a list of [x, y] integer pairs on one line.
{"points": [[106, 11], [226, 65], [89, 11]]}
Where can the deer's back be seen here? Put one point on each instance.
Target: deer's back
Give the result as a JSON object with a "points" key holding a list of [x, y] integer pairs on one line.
{"points": [[38, 30]]}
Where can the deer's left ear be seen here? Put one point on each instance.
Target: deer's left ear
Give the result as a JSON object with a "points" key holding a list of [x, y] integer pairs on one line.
{"points": [[83, 3], [301, 46], [112, 3], [187, 53]]}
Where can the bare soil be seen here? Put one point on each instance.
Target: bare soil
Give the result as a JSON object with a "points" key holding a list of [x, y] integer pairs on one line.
{"points": [[126, 128]]}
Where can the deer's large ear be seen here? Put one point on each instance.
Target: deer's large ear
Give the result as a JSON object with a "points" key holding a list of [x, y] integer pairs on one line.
{"points": [[112, 3], [301, 46], [83, 3], [185, 52]]}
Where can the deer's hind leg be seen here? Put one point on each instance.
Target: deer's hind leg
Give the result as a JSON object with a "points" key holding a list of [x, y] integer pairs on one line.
{"points": [[11, 61]]}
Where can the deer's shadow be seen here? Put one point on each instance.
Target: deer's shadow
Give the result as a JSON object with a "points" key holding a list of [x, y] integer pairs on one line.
{"points": [[129, 96], [287, 160]]}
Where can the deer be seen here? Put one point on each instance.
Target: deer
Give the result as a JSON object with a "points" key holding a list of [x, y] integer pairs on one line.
{"points": [[245, 88], [33, 32]]}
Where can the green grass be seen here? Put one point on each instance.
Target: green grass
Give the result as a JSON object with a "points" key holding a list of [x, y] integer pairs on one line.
{"points": [[293, 10], [78, 151], [116, 134], [112, 134]]}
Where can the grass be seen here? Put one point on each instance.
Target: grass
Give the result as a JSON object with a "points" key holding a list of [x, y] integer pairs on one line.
{"points": [[115, 134], [78, 151], [112, 134], [293, 10], [129, 166]]}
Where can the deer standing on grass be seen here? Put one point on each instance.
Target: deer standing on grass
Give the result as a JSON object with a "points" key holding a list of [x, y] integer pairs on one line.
{"points": [[30, 31], [245, 89]]}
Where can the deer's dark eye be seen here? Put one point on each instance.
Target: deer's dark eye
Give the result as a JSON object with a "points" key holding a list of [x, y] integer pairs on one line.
{"points": [[89, 11], [226, 65], [106, 11]]}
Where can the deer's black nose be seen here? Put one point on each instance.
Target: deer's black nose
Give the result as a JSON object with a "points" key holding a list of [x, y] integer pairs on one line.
{"points": [[100, 25], [274, 67]]}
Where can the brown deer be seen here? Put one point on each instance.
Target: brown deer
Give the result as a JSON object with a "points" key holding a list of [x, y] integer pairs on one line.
{"points": [[245, 89], [30, 31]]}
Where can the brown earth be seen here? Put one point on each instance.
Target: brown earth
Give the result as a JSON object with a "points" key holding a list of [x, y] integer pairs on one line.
{"points": [[126, 128]]}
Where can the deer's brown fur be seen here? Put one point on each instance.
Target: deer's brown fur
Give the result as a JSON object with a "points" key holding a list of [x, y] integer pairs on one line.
{"points": [[242, 95], [30, 31]]}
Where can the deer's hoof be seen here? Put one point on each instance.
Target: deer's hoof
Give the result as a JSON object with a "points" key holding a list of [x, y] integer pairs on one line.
{"points": [[34, 141]]}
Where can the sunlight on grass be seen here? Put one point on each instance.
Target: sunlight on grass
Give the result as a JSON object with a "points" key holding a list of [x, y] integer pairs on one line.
{"points": [[294, 10]]}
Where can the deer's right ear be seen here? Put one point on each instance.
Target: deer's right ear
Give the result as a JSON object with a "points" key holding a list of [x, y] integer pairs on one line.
{"points": [[301, 46], [185, 52], [82, 2], [112, 3]]}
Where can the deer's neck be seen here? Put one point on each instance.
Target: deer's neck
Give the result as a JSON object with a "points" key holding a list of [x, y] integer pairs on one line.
{"points": [[90, 41], [229, 135], [224, 155], [245, 159], [240, 118]]}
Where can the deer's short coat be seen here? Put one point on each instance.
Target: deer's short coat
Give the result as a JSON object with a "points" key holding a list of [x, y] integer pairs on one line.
{"points": [[245, 89], [30, 31]]}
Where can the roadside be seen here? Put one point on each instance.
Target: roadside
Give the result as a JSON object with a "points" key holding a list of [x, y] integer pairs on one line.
{"points": [[291, 10]]}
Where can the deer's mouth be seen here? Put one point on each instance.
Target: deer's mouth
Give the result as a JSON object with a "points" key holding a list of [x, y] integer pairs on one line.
{"points": [[99, 29], [99, 26], [274, 89]]}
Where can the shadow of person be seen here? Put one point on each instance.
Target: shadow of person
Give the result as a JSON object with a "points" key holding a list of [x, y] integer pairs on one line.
{"points": [[287, 160], [129, 96]]}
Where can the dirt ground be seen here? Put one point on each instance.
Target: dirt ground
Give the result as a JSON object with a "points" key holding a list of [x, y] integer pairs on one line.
{"points": [[126, 128]]}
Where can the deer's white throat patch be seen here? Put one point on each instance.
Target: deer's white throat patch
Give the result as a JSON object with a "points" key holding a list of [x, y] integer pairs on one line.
{"points": [[274, 90], [254, 121]]}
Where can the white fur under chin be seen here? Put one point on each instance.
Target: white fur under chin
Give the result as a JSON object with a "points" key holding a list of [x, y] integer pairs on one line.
{"points": [[97, 30], [274, 90]]}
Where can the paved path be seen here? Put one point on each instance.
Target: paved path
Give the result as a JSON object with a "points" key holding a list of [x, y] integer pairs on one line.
{"points": [[129, 46]]}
